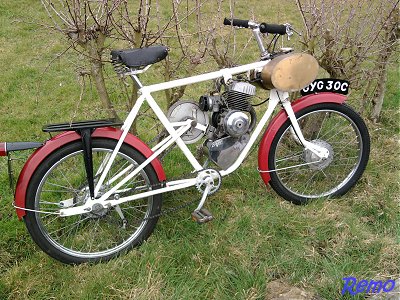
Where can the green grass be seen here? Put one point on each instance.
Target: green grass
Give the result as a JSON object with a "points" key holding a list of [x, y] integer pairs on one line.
{"points": [[256, 236]]}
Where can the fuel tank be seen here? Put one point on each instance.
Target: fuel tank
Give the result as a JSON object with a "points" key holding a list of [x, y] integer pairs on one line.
{"points": [[289, 72]]}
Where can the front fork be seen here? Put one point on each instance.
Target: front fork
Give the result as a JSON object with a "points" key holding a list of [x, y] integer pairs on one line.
{"points": [[319, 151]]}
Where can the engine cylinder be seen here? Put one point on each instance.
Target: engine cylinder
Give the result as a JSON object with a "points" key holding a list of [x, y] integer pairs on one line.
{"points": [[239, 94]]}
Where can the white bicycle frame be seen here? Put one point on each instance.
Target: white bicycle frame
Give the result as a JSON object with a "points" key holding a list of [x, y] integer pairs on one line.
{"points": [[176, 130]]}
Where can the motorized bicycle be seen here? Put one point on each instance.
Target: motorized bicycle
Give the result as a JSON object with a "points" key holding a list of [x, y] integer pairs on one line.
{"points": [[95, 190]]}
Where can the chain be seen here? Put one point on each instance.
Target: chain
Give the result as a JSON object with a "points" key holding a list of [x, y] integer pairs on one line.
{"points": [[152, 186], [171, 210], [156, 186], [176, 208]]}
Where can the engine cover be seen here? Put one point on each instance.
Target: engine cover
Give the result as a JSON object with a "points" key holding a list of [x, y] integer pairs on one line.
{"points": [[225, 151], [184, 110], [236, 123]]}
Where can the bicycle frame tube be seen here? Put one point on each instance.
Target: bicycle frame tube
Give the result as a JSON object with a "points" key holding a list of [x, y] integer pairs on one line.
{"points": [[274, 98], [175, 136], [145, 95]]}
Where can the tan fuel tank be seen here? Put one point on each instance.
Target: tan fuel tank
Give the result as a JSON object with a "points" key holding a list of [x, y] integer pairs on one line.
{"points": [[290, 72]]}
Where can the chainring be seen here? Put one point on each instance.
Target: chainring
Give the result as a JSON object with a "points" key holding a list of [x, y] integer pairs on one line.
{"points": [[209, 177]]}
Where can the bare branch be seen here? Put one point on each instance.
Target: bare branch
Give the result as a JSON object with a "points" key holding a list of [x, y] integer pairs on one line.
{"points": [[351, 39]]}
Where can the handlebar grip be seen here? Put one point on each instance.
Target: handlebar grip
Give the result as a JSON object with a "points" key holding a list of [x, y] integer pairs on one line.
{"points": [[237, 22], [273, 28]]}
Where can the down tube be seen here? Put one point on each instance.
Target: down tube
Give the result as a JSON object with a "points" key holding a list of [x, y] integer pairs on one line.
{"points": [[275, 97], [171, 130]]}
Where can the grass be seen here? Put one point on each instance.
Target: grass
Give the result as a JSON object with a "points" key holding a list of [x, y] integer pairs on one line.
{"points": [[256, 236]]}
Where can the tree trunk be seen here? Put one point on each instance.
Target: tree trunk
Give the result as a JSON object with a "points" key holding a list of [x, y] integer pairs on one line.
{"points": [[94, 48], [174, 94], [132, 102], [377, 101], [392, 32]]}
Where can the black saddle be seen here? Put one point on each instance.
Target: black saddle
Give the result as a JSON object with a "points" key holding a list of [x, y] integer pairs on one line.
{"points": [[140, 57]]}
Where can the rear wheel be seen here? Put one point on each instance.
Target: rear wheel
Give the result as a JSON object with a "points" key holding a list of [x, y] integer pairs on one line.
{"points": [[101, 234], [300, 175]]}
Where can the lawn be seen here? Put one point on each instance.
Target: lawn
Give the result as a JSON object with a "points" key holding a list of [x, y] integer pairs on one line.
{"points": [[256, 237]]}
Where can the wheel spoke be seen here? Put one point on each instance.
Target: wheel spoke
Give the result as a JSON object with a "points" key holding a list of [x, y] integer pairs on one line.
{"points": [[290, 157], [100, 232], [68, 189], [340, 134], [73, 225], [322, 125]]}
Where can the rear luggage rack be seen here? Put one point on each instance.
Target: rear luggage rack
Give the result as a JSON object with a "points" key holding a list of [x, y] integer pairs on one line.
{"points": [[76, 126], [85, 130], [6, 148]]}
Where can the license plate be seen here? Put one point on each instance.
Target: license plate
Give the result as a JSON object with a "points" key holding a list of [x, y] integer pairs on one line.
{"points": [[327, 85]]}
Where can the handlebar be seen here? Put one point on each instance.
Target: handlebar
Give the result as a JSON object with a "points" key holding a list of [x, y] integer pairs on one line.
{"points": [[263, 27], [273, 28], [237, 22], [284, 29]]}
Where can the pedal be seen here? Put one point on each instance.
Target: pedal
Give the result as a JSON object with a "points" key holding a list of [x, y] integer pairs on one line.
{"points": [[202, 216]]}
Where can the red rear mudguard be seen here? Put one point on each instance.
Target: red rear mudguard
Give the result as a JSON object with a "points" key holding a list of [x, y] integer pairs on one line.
{"points": [[280, 119], [67, 137]]}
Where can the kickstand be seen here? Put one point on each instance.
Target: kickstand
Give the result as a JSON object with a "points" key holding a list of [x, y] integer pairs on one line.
{"points": [[121, 215]]}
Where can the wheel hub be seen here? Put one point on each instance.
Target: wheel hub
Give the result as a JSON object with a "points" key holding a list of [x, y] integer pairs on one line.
{"points": [[315, 162], [98, 211]]}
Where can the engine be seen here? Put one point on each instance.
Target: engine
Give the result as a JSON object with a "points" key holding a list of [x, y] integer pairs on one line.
{"points": [[232, 113], [233, 118]]}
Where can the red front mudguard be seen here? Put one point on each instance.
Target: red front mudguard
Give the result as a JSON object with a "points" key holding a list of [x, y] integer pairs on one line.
{"points": [[67, 137], [280, 119]]}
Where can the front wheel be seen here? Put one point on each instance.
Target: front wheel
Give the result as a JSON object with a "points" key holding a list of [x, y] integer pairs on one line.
{"points": [[299, 175], [60, 181]]}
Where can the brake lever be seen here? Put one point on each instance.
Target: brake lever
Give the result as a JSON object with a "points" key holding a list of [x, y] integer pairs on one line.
{"points": [[290, 31]]}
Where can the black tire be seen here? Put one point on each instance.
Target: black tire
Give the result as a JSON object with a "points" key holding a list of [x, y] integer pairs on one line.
{"points": [[336, 127], [95, 236]]}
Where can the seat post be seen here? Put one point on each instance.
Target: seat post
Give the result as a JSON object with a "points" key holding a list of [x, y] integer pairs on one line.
{"points": [[136, 80]]}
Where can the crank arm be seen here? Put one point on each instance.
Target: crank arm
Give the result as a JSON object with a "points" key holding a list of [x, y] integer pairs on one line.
{"points": [[203, 198], [121, 215]]}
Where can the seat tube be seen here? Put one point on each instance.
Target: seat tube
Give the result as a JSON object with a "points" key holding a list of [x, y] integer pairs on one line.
{"points": [[125, 129], [137, 81]]}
